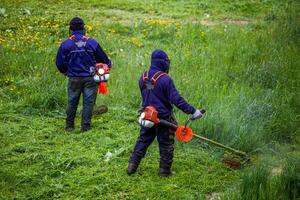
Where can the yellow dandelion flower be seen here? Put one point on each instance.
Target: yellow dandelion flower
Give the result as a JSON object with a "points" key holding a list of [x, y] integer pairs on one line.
{"points": [[55, 26], [160, 22], [135, 41], [89, 27], [111, 30]]}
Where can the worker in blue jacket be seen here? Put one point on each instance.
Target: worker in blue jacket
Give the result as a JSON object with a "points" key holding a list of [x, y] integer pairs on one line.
{"points": [[159, 92], [77, 58]]}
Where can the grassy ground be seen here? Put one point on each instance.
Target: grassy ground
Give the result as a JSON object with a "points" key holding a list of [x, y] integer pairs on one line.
{"points": [[238, 59], [50, 163]]}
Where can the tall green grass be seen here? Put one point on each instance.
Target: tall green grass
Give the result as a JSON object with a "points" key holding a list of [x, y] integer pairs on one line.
{"points": [[247, 77], [268, 182]]}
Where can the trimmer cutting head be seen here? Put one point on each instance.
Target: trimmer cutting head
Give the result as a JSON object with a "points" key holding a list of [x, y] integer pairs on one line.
{"points": [[234, 161]]}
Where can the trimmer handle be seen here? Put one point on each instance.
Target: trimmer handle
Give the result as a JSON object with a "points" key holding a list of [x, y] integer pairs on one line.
{"points": [[168, 124], [202, 110], [174, 126]]}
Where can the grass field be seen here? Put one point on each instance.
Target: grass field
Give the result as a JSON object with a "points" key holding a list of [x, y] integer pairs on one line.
{"points": [[239, 59]]}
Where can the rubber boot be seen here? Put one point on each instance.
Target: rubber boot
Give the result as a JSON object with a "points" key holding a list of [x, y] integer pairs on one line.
{"points": [[132, 167], [69, 127], [85, 129], [165, 168], [165, 172]]}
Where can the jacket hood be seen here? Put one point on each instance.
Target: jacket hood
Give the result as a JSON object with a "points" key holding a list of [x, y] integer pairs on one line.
{"points": [[160, 61]]}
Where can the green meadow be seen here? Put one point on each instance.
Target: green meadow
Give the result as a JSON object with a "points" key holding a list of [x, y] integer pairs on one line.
{"points": [[238, 59]]}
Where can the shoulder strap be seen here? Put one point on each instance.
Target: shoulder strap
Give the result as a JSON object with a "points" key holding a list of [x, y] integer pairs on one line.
{"points": [[145, 76], [84, 38], [150, 84], [72, 37], [156, 76]]}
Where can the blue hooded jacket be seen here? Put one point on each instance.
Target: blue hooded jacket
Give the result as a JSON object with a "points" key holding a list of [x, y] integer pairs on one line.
{"points": [[77, 57], [164, 94]]}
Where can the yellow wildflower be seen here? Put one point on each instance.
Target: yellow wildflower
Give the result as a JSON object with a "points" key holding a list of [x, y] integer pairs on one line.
{"points": [[111, 30], [135, 41], [160, 22], [55, 26], [89, 27]]}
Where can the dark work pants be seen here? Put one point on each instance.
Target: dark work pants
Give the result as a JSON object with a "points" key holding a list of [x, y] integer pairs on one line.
{"points": [[165, 138], [76, 86]]}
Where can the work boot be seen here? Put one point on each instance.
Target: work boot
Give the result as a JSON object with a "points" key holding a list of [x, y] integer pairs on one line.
{"points": [[132, 167], [69, 128], [84, 129], [70, 125], [165, 172]]}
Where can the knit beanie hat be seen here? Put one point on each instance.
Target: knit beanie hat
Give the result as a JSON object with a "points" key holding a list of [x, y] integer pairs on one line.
{"points": [[76, 24]]}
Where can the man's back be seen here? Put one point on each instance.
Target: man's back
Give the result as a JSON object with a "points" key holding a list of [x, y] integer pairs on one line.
{"points": [[77, 56], [156, 96], [164, 94]]}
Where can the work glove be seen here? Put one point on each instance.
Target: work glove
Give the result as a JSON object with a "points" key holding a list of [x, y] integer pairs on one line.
{"points": [[198, 114]]}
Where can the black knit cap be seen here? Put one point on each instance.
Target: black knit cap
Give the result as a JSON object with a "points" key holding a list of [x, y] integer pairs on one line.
{"points": [[76, 24]]}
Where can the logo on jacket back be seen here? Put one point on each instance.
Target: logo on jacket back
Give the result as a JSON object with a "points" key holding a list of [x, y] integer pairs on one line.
{"points": [[80, 44]]}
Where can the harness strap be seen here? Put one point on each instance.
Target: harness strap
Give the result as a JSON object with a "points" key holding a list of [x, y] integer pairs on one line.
{"points": [[145, 76], [74, 38], [85, 38], [154, 78]]}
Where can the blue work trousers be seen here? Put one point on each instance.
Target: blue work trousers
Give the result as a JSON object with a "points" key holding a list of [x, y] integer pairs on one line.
{"points": [[165, 138], [88, 87]]}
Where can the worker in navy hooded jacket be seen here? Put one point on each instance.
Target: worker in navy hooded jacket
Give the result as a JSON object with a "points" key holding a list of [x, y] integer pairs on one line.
{"points": [[76, 58], [162, 95]]}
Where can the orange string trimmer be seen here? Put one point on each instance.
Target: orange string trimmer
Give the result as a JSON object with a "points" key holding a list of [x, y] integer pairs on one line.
{"points": [[185, 134]]}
